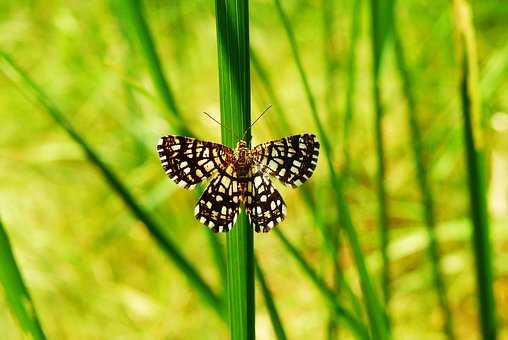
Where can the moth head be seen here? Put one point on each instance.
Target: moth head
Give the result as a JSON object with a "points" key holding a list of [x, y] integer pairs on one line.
{"points": [[242, 144]]}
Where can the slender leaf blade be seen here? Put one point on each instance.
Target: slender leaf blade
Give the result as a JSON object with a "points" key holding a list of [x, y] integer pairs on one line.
{"points": [[15, 290], [232, 23]]}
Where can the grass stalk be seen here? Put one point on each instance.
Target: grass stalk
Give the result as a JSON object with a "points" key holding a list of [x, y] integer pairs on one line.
{"points": [[330, 62], [232, 20], [132, 19], [15, 290], [474, 149], [132, 13], [423, 185], [34, 93], [278, 328], [305, 190], [375, 312], [350, 84], [265, 80], [330, 59], [355, 325], [378, 39]]}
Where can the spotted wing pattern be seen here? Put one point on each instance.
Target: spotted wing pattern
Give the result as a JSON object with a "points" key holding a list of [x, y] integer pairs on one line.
{"points": [[219, 204], [188, 161], [292, 160], [264, 204]]}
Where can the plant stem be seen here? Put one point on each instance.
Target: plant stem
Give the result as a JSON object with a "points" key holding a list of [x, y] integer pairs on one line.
{"points": [[33, 92], [350, 85], [475, 160], [378, 39], [377, 318], [354, 324], [135, 17], [278, 328], [15, 290], [424, 186], [232, 19]]}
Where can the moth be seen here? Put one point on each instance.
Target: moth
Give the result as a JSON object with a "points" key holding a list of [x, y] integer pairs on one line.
{"points": [[240, 176]]}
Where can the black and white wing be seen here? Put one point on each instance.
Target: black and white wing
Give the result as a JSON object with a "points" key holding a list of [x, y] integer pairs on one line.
{"points": [[188, 161], [292, 160], [219, 204], [264, 204]]}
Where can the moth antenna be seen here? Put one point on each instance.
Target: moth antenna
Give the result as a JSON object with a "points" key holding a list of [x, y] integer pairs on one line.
{"points": [[259, 117], [224, 126]]}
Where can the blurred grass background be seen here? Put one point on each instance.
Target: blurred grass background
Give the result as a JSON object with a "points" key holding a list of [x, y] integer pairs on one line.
{"points": [[92, 270]]}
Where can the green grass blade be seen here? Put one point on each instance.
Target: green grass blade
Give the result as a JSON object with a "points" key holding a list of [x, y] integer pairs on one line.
{"points": [[330, 58], [132, 19], [352, 322], [34, 92], [305, 191], [15, 290], [374, 308], [278, 328], [350, 83], [260, 70], [476, 162], [232, 19], [219, 257], [331, 66], [423, 185], [132, 12], [378, 35]]}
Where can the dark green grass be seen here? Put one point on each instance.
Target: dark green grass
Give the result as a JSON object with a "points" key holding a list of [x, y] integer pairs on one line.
{"points": [[318, 219], [427, 198], [232, 24], [15, 290], [33, 92], [72, 69], [380, 28], [475, 153], [350, 84], [278, 328], [329, 294], [373, 306], [131, 17]]}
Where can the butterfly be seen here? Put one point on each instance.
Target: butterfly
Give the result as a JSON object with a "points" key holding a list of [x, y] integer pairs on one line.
{"points": [[240, 176]]}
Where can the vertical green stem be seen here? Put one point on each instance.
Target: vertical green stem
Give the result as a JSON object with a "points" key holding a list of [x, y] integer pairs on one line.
{"points": [[278, 328], [234, 82], [16, 292], [475, 160], [131, 16], [330, 60], [378, 37], [424, 186], [329, 51], [374, 307], [350, 83], [133, 10], [34, 92]]}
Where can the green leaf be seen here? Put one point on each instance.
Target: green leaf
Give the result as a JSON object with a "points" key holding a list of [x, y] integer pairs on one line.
{"points": [[350, 83], [131, 11], [352, 322], [374, 308], [232, 19], [34, 92], [278, 328], [305, 191], [381, 13], [131, 16], [428, 210], [474, 149], [16, 292]]}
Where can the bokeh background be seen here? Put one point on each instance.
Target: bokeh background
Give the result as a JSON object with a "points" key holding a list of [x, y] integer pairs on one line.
{"points": [[95, 273]]}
